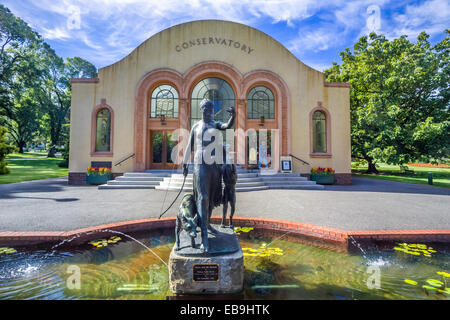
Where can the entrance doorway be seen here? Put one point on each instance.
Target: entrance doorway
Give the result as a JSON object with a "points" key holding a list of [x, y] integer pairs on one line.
{"points": [[161, 146], [259, 149]]}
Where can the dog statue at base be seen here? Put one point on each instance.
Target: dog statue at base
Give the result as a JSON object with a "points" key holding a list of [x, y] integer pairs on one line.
{"points": [[187, 219]]}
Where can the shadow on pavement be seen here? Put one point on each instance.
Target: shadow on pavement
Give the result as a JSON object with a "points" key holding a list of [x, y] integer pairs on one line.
{"points": [[375, 185], [10, 190]]}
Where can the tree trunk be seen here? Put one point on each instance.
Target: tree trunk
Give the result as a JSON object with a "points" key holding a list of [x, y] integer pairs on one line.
{"points": [[371, 166], [21, 145], [51, 152]]}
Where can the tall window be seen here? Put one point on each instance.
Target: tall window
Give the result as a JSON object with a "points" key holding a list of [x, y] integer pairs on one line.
{"points": [[164, 102], [319, 132], [260, 103], [217, 90], [103, 130]]}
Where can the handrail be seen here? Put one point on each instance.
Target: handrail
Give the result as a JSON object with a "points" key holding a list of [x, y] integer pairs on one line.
{"points": [[299, 159], [130, 156]]}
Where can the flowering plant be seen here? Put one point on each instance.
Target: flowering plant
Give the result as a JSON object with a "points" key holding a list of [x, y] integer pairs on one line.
{"points": [[320, 170], [98, 171]]}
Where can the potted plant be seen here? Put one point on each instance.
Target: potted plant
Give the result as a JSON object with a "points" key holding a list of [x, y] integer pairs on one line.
{"points": [[323, 175], [98, 175]]}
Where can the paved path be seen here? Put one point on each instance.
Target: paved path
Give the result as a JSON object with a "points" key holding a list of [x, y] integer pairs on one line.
{"points": [[368, 204]]}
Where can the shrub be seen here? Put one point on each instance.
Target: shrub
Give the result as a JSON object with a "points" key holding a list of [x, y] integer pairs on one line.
{"points": [[4, 150]]}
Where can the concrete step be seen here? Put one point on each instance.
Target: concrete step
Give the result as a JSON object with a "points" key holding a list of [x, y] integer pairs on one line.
{"points": [[278, 174], [147, 174], [136, 183], [282, 179], [304, 187], [178, 184], [190, 180], [289, 183], [164, 171], [189, 189], [127, 178], [107, 186]]}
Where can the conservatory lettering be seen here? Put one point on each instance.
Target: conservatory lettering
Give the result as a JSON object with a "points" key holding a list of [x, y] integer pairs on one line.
{"points": [[214, 41]]}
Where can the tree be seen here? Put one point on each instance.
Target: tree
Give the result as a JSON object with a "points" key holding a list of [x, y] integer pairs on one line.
{"points": [[19, 51], [55, 93], [399, 98], [4, 150]]}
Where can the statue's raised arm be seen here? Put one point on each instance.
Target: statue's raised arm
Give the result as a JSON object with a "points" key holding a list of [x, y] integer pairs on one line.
{"points": [[229, 124]]}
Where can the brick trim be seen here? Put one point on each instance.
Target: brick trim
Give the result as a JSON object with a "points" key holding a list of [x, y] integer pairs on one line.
{"points": [[326, 234], [343, 178], [77, 178]]}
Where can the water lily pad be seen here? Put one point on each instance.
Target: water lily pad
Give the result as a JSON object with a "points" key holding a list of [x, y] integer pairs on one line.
{"points": [[445, 274], [446, 291], [7, 250], [412, 252], [100, 243], [428, 287], [408, 281], [435, 283]]}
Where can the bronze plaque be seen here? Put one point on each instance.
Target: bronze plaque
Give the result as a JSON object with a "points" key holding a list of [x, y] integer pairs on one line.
{"points": [[205, 272]]}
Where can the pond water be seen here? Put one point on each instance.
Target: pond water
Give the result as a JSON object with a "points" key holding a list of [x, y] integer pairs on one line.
{"points": [[275, 268]]}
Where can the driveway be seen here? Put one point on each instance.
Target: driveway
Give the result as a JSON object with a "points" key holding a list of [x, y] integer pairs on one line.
{"points": [[368, 204]]}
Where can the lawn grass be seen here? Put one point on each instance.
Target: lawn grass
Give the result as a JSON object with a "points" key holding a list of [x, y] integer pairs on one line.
{"points": [[25, 155], [33, 169], [441, 176]]}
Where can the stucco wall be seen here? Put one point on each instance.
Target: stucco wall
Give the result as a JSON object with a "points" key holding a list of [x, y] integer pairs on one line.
{"points": [[118, 82]]}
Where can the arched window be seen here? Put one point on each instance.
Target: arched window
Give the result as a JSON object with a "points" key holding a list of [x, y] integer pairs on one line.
{"points": [[260, 103], [103, 131], [319, 128], [217, 90], [164, 102]]}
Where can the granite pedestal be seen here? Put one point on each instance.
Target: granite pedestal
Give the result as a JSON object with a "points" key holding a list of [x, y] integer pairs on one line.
{"points": [[221, 271]]}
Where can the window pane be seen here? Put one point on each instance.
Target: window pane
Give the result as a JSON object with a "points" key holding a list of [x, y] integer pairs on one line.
{"points": [[260, 103], [319, 132], [157, 145], [103, 134], [217, 90], [164, 102], [171, 143]]}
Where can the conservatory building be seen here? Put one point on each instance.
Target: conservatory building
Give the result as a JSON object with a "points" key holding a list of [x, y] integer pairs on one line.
{"points": [[134, 115]]}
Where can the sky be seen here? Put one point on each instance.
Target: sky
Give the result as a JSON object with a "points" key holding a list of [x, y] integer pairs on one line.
{"points": [[315, 31]]}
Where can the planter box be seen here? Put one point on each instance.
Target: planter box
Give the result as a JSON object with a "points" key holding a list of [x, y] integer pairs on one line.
{"points": [[98, 178], [323, 178]]}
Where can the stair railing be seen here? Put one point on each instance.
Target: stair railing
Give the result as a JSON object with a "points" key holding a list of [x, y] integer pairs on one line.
{"points": [[121, 161], [297, 158]]}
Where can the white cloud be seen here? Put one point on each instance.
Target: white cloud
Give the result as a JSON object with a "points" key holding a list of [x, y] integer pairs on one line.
{"points": [[57, 33], [431, 16], [316, 40], [118, 26]]}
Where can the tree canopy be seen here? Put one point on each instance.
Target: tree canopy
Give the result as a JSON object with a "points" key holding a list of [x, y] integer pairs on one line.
{"points": [[35, 89], [399, 98]]}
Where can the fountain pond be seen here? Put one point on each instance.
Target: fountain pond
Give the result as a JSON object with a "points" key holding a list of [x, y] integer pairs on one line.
{"points": [[277, 266]]}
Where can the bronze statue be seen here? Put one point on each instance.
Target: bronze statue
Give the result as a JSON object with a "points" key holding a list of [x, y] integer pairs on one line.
{"points": [[207, 173], [229, 192], [187, 219]]}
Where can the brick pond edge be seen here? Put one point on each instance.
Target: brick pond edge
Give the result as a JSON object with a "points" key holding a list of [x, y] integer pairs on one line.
{"points": [[309, 233]]}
